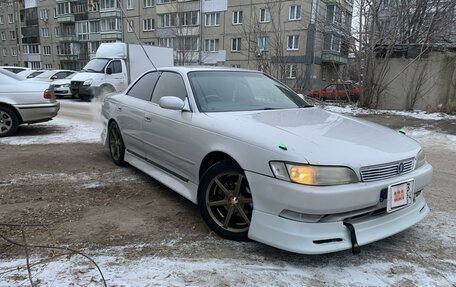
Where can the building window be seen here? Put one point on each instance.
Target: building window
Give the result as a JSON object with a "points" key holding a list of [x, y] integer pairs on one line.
{"points": [[93, 46], [291, 70], [188, 18], [13, 35], [237, 17], [110, 24], [13, 51], [149, 43], [166, 42], [265, 15], [293, 42], [48, 66], [212, 19], [34, 65], [211, 45], [187, 43], [335, 43], [235, 44], [2, 20], [236, 66], [5, 53], [108, 4], [294, 12], [163, 1], [45, 32], [44, 14], [57, 32], [130, 26], [94, 27], [63, 8], [31, 49], [82, 31], [46, 50], [10, 18], [3, 36], [263, 43], [130, 5], [167, 20], [148, 24], [148, 3]]}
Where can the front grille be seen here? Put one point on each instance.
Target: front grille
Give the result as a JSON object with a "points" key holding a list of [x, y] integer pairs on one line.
{"points": [[75, 84], [379, 172]]}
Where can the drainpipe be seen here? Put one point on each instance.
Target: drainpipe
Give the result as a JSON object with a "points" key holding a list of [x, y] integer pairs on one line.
{"points": [[20, 54]]}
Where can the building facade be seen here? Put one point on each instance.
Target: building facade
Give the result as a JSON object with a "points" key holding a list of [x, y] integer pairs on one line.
{"points": [[300, 42]]}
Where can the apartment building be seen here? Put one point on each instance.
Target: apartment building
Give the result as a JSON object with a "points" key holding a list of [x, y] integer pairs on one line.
{"points": [[299, 42]]}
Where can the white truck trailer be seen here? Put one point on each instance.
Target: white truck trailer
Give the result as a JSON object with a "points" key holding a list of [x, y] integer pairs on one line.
{"points": [[115, 66]]}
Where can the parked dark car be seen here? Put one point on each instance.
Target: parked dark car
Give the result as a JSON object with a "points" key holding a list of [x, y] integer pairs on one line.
{"points": [[337, 91]]}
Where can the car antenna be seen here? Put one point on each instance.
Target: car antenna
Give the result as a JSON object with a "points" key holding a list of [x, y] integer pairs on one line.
{"points": [[137, 37]]}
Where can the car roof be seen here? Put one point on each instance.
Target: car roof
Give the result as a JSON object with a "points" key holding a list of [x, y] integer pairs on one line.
{"points": [[188, 69]]}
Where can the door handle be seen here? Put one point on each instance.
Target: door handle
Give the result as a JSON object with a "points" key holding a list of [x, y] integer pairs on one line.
{"points": [[119, 109], [147, 118]]}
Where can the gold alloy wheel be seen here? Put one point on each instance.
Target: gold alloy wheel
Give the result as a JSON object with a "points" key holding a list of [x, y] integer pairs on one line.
{"points": [[115, 142], [229, 201]]}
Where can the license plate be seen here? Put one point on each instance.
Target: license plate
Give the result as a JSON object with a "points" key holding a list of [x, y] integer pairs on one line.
{"points": [[400, 195]]}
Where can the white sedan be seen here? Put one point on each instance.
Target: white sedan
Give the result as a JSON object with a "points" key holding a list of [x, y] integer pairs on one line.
{"points": [[24, 102], [263, 164]]}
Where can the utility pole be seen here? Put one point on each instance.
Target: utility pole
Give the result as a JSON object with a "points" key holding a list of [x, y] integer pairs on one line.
{"points": [[20, 50]]}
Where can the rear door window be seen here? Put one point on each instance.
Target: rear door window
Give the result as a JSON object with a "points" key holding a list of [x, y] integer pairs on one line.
{"points": [[143, 88]]}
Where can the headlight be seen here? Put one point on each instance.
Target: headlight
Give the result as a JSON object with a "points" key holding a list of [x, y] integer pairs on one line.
{"points": [[313, 175], [420, 159], [65, 86], [87, 82]]}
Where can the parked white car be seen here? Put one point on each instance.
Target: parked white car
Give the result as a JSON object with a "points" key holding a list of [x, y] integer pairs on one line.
{"points": [[52, 75], [261, 163], [62, 87], [29, 74], [24, 102], [14, 69]]}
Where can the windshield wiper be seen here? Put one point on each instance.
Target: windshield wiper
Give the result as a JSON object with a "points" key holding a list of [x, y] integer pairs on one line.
{"points": [[306, 106]]}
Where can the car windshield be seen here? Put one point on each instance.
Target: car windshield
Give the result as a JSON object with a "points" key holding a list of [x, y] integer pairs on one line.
{"points": [[45, 75], [70, 76], [96, 65], [34, 74], [226, 91]]}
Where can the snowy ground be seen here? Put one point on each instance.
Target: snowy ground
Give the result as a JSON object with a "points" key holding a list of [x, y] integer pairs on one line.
{"points": [[385, 263]]}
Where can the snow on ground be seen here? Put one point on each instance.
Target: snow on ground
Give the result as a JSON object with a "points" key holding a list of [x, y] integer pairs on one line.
{"points": [[58, 130], [428, 138], [179, 271], [353, 110]]}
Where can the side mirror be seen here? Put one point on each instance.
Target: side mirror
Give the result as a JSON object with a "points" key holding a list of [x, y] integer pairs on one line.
{"points": [[301, 96], [54, 77], [171, 103], [109, 71]]}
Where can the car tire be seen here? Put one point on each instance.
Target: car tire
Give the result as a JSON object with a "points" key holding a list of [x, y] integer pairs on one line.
{"points": [[85, 98], [9, 122], [225, 200], [116, 145]]}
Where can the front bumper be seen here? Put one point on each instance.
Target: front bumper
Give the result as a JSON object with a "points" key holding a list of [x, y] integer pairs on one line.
{"points": [[62, 91], [319, 238], [271, 197]]}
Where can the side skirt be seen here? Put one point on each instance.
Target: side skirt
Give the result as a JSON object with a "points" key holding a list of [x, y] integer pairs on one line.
{"points": [[187, 189]]}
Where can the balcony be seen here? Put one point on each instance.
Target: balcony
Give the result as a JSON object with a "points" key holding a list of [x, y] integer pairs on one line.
{"points": [[66, 18], [110, 13], [347, 4], [111, 35], [65, 57], [166, 8], [32, 57], [333, 57], [213, 57], [68, 38]]}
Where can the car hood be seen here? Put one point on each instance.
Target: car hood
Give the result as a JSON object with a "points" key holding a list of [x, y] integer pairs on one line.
{"points": [[61, 82], [82, 76], [316, 136]]}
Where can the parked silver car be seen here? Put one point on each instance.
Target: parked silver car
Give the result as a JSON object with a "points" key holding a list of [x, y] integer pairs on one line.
{"points": [[24, 102], [53, 75], [263, 164]]}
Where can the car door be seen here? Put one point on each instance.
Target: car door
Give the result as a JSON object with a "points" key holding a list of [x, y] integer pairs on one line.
{"points": [[168, 132], [329, 92], [131, 110], [118, 76]]}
